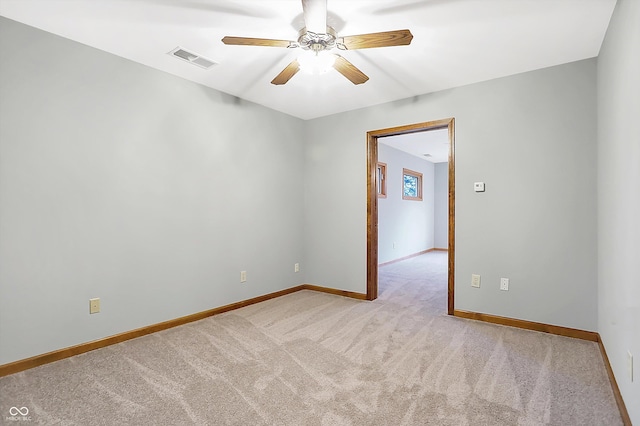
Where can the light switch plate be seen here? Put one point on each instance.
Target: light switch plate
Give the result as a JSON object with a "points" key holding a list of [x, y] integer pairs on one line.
{"points": [[478, 186]]}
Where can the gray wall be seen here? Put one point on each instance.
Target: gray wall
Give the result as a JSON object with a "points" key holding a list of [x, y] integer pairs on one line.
{"points": [[407, 223], [441, 206], [532, 139], [619, 197], [125, 183]]}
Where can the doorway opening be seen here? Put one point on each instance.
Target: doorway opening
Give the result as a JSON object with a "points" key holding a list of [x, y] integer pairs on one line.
{"points": [[372, 201]]}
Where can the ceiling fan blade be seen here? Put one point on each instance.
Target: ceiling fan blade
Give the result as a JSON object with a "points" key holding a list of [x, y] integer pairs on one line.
{"points": [[384, 39], [349, 70], [247, 41], [286, 74], [315, 15]]}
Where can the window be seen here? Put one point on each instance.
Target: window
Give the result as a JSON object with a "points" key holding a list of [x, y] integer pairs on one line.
{"points": [[381, 180], [411, 185]]}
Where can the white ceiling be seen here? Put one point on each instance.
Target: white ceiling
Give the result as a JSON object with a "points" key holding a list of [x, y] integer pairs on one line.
{"points": [[432, 142], [456, 42]]}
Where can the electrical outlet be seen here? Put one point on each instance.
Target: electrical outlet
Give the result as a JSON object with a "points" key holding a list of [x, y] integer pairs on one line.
{"points": [[94, 305], [504, 284], [243, 276], [630, 365], [296, 267], [475, 280]]}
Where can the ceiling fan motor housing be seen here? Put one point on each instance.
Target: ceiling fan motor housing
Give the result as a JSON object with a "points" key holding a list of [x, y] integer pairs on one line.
{"points": [[317, 42]]}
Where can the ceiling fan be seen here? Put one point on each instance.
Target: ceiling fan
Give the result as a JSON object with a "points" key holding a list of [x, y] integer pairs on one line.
{"points": [[319, 38]]}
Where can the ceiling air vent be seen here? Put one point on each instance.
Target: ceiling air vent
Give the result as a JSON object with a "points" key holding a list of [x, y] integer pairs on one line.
{"points": [[193, 58]]}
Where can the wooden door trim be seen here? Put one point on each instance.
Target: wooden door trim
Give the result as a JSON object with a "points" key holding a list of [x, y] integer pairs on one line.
{"points": [[372, 202]]}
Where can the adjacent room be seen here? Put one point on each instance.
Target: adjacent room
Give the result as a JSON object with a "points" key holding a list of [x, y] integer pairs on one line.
{"points": [[190, 194]]}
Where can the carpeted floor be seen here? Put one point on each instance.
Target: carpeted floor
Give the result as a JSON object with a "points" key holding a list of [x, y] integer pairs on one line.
{"points": [[311, 358]]}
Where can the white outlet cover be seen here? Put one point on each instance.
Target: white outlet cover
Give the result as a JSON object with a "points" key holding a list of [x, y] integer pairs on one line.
{"points": [[504, 284], [94, 305], [475, 280]]}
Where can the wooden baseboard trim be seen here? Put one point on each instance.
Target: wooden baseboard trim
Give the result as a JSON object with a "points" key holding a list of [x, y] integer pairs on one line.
{"points": [[420, 253], [529, 325], [345, 293], [614, 385], [35, 361]]}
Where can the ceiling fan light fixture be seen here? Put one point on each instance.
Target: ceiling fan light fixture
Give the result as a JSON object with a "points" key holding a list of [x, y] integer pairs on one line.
{"points": [[316, 63], [316, 39]]}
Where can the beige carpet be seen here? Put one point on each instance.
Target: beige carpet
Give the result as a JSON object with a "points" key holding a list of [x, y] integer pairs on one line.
{"points": [[316, 359]]}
